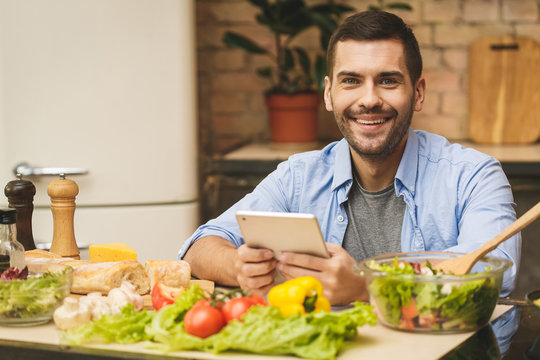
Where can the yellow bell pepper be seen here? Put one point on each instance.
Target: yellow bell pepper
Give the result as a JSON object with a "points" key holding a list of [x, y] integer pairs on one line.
{"points": [[299, 296]]}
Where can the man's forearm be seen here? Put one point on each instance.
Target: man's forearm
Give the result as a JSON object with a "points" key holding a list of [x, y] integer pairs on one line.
{"points": [[213, 258]]}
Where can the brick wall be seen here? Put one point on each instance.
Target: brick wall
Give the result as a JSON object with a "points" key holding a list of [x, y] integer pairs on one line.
{"points": [[231, 106]]}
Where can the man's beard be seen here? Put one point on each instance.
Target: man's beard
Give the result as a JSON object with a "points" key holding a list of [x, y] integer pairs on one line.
{"points": [[391, 142]]}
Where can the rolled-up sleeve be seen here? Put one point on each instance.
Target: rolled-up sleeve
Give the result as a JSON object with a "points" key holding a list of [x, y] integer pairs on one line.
{"points": [[271, 194]]}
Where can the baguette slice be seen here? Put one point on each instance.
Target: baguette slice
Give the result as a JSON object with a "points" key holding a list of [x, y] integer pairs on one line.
{"points": [[174, 273]]}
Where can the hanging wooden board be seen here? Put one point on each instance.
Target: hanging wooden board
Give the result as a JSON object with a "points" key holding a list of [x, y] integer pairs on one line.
{"points": [[504, 90]]}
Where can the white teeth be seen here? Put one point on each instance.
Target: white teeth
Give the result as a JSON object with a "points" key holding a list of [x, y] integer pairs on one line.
{"points": [[365, 122]]}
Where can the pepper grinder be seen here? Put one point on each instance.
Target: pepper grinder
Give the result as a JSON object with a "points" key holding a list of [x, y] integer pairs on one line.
{"points": [[62, 193], [20, 194]]}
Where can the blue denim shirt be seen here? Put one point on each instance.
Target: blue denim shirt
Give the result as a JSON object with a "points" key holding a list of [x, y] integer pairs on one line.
{"points": [[457, 198]]}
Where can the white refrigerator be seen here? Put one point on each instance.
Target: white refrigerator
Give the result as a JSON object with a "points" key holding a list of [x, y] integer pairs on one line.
{"points": [[107, 86]]}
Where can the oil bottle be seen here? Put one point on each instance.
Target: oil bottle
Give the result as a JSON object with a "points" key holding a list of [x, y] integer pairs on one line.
{"points": [[11, 251]]}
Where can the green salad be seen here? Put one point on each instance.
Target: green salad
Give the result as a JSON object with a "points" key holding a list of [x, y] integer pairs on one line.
{"points": [[409, 297], [22, 298]]}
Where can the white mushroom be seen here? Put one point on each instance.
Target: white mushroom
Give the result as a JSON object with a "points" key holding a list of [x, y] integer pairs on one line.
{"points": [[72, 313], [97, 303], [123, 295]]}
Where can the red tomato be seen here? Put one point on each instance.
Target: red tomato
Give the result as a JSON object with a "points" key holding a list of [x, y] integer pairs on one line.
{"points": [[257, 300], [203, 320], [236, 307], [410, 311], [163, 295]]}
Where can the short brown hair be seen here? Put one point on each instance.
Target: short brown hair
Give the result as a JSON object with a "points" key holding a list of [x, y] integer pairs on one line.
{"points": [[377, 25]]}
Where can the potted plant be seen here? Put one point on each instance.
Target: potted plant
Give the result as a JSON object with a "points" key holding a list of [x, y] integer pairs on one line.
{"points": [[296, 76]]}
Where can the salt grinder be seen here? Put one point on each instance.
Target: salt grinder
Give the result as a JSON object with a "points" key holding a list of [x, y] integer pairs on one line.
{"points": [[20, 194], [62, 193]]}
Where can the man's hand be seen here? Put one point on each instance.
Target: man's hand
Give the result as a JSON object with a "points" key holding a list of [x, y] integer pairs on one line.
{"points": [[341, 285], [255, 269]]}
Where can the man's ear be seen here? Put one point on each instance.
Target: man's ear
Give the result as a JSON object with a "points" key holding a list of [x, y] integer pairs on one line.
{"points": [[327, 97], [419, 93]]}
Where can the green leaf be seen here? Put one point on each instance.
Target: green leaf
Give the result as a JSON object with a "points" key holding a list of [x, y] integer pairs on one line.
{"points": [[263, 4], [304, 60], [320, 72], [265, 72], [264, 330], [333, 9], [288, 60], [325, 23], [399, 5], [235, 40]]}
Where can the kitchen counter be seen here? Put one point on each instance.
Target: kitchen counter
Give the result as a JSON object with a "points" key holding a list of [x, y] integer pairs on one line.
{"points": [[496, 338]]}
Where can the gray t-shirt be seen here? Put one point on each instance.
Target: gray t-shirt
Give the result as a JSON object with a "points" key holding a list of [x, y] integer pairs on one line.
{"points": [[375, 221]]}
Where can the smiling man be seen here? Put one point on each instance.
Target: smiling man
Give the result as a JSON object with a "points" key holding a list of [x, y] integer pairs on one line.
{"points": [[383, 188]]}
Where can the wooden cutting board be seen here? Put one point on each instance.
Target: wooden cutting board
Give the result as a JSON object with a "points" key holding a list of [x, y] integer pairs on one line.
{"points": [[504, 90]]}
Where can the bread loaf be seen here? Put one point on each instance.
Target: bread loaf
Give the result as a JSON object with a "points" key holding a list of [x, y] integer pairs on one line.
{"points": [[91, 276], [104, 276], [175, 273]]}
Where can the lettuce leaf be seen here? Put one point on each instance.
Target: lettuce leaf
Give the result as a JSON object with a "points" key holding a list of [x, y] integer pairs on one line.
{"points": [[125, 328], [131, 326], [169, 319], [26, 298], [264, 330]]}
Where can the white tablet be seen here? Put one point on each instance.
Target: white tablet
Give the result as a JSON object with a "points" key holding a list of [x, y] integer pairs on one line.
{"points": [[280, 231]]}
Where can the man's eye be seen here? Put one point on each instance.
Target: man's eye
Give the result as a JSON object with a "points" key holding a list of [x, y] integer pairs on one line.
{"points": [[388, 82], [350, 81]]}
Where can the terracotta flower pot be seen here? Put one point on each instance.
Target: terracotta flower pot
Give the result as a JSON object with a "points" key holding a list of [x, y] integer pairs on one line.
{"points": [[293, 118]]}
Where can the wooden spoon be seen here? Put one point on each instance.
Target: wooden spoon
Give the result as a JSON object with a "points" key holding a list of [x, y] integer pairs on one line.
{"points": [[463, 264]]}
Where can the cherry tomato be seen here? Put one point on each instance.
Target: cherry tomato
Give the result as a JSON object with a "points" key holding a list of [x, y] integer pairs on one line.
{"points": [[257, 300], [163, 295], [236, 307], [203, 320]]}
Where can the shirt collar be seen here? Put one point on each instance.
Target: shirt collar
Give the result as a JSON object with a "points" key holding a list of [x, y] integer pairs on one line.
{"points": [[407, 169], [408, 166], [343, 169]]}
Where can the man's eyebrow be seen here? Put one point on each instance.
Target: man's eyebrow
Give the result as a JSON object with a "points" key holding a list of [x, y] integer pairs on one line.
{"points": [[392, 73], [347, 73]]}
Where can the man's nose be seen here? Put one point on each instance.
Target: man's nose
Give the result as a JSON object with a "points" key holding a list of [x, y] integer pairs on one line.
{"points": [[369, 97]]}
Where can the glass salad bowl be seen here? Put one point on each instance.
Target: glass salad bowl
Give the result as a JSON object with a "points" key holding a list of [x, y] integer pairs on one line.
{"points": [[409, 296], [32, 300]]}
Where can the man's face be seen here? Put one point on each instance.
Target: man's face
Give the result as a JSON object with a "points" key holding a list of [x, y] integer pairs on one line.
{"points": [[372, 96]]}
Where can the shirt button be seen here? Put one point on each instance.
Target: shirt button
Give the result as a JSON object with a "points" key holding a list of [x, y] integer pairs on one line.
{"points": [[340, 218]]}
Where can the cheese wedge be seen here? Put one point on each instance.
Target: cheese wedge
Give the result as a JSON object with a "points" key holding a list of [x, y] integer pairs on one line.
{"points": [[111, 252]]}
